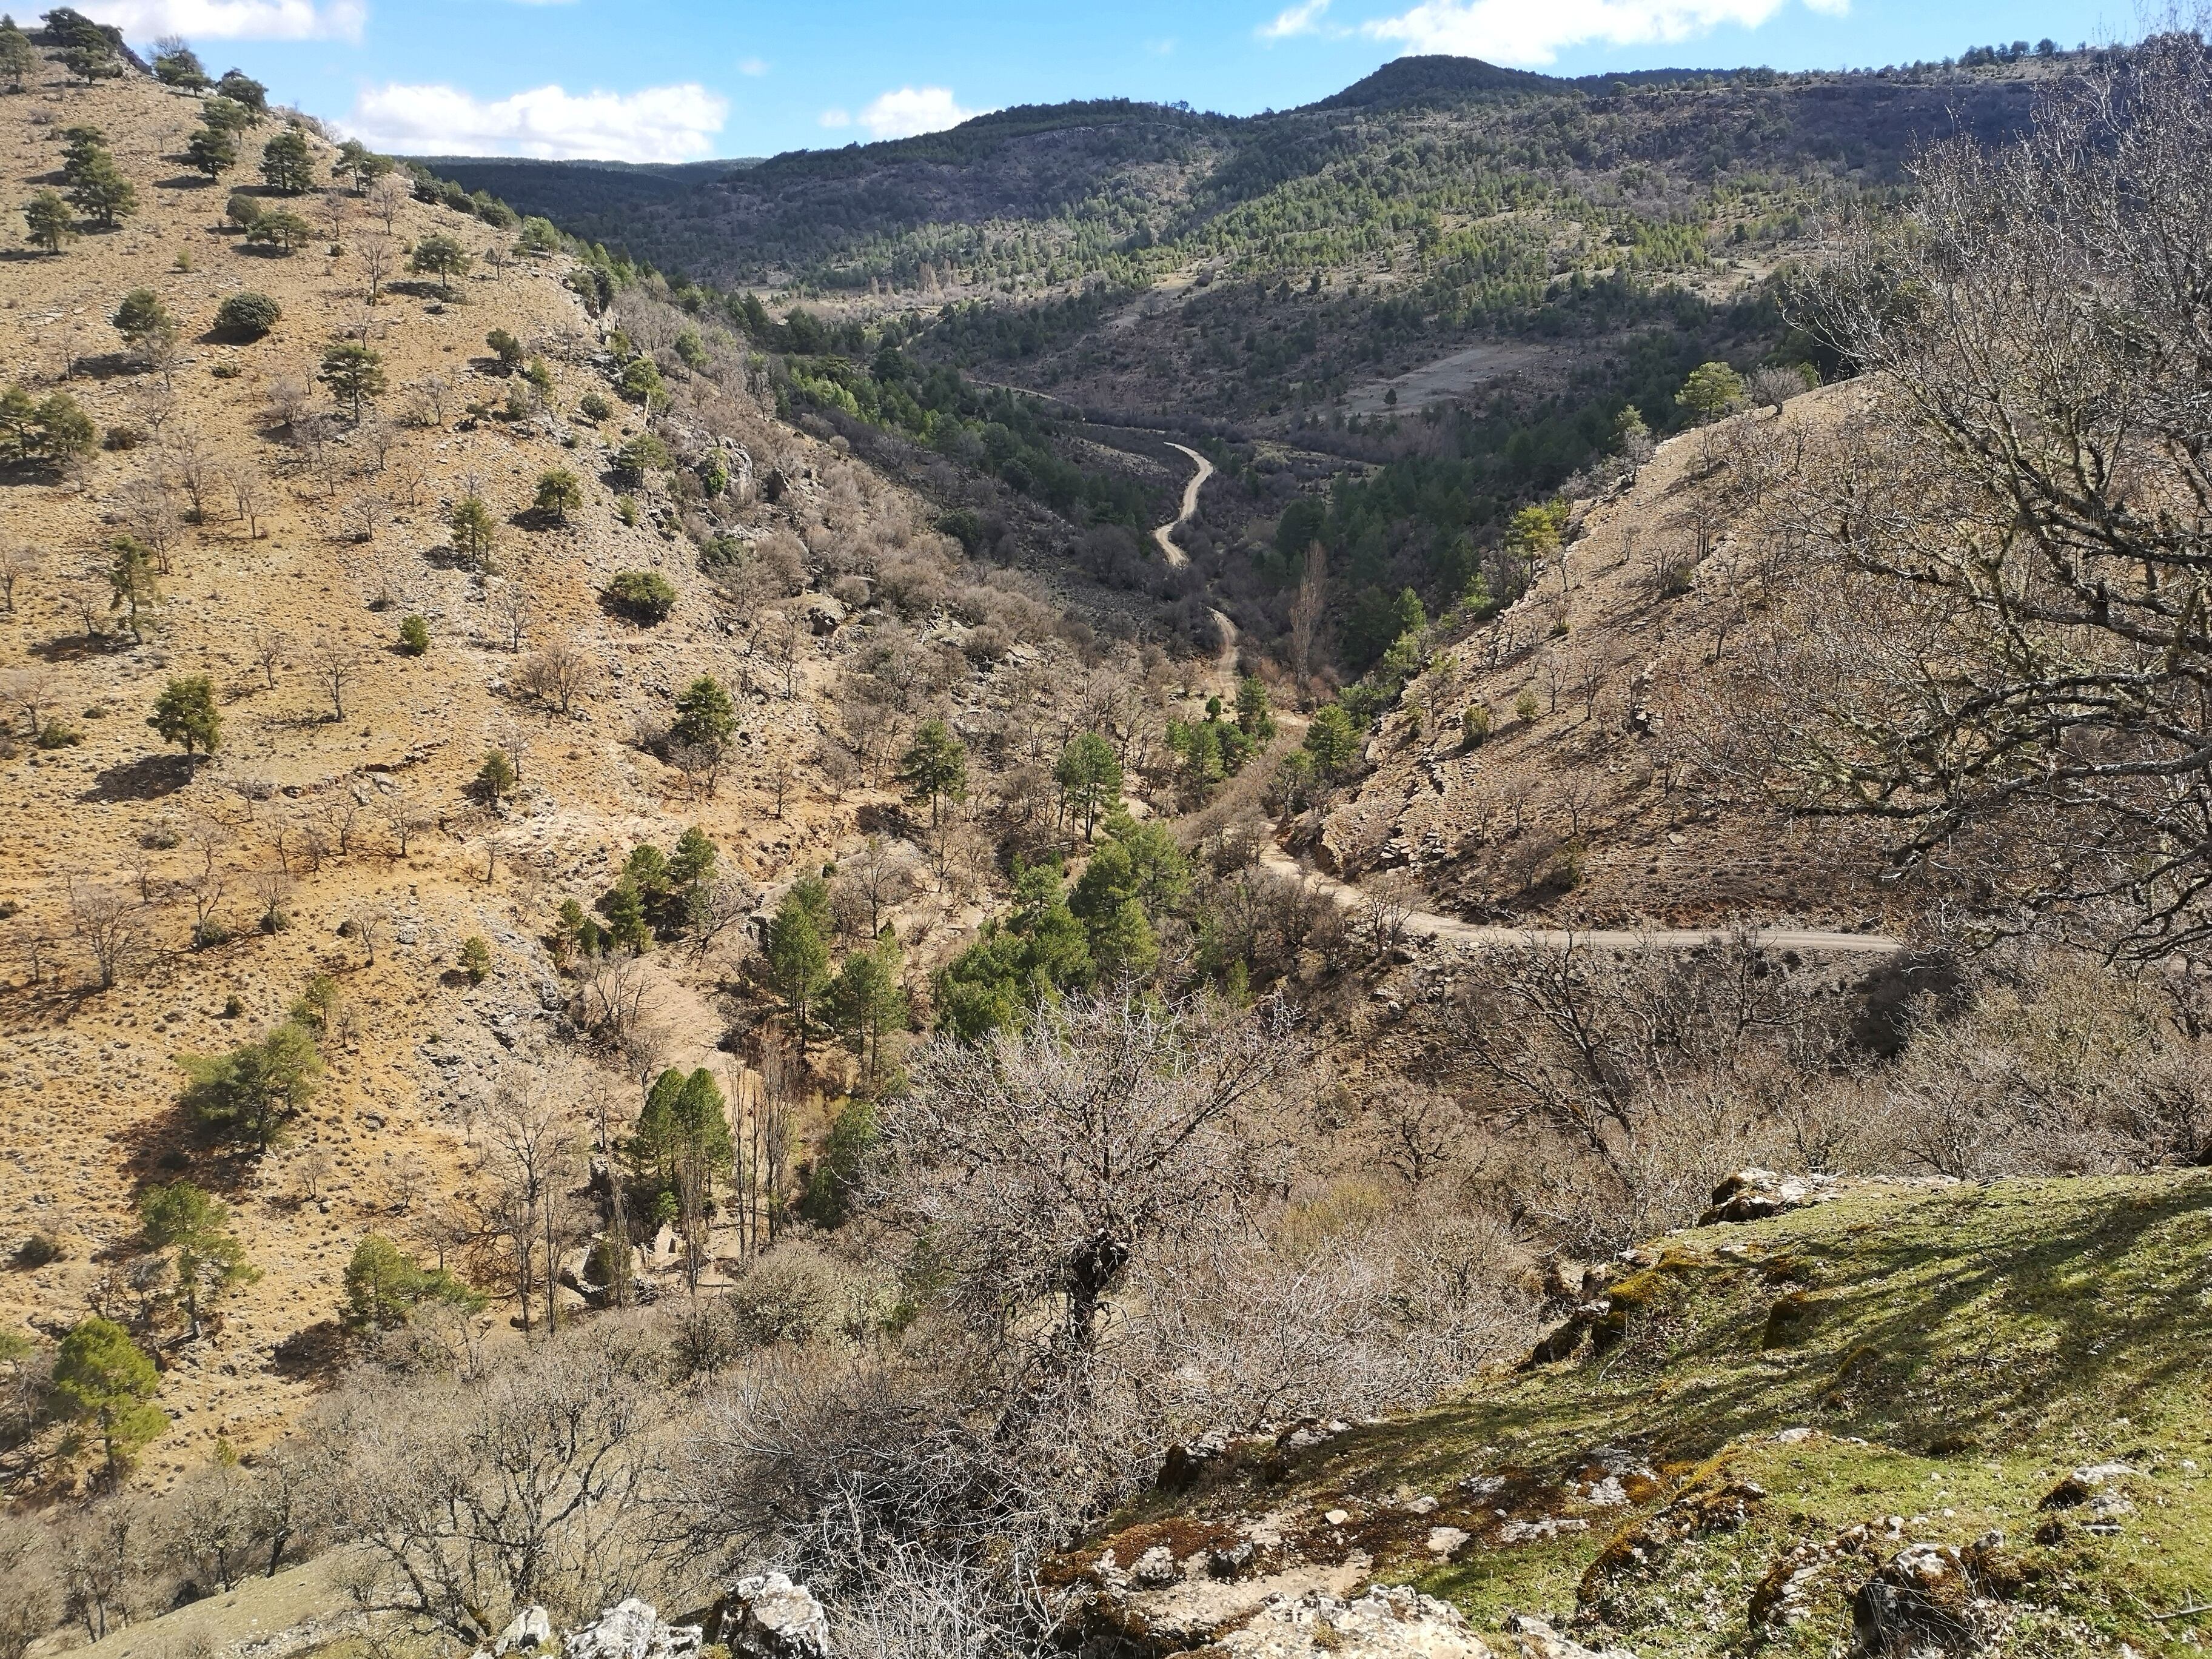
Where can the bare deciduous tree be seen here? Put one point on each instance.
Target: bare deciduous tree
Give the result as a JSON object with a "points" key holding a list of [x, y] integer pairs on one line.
{"points": [[19, 563], [109, 925], [557, 675], [1045, 1164], [335, 662]]}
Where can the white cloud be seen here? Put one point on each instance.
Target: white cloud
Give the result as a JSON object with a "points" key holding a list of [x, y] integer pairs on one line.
{"points": [[1305, 18], [1516, 32], [753, 66], [836, 117], [232, 20], [656, 123], [911, 110]]}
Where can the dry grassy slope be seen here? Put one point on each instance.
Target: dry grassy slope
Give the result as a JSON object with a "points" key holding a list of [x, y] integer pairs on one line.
{"points": [[87, 1080], [1484, 827]]}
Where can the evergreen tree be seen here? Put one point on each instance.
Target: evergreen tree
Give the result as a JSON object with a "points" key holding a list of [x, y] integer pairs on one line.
{"points": [[439, 255], [102, 1379], [213, 150], [195, 1229], [1712, 389], [695, 860], [176, 64], [186, 713], [243, 90], [18, 58], [288, 163], [867, 1004], [354, 372], [256, 1090], [934, 769], [131, 583], [144, 322], [1332, 741], [1088, 773], [799, 954], [100, 189], [1255, 716], [49, 219], [559, 494], [385, 1286], [625, 909], [470, 524], [282, 230], [495, 778], [704, 713]]}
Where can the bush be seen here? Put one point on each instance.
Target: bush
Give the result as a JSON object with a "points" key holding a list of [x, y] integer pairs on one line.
{"points": [[476, 959], [414, 636], [594, 407], [1474, 725], [1524, 707], [248, 316], [645, 596]]}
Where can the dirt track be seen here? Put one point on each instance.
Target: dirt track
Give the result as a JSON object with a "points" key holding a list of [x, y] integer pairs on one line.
{"points": [[1166, 534], [1454, 931]]}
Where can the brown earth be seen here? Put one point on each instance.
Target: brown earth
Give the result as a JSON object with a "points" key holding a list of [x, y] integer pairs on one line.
{"points": [[88, 1079]]}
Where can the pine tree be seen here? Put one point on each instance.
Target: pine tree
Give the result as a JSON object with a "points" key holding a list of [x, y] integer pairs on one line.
{"points": [[439, 255], [102, 1379], [354, 372], [470, 524], [50, 221], [704, 713], [1088, 773], [288, 164], [131, 583], [799, 954], [208, 1258], [186, 713], [18, 58], [867, 1004], [934, 769], [559, 494], [212, 150]]}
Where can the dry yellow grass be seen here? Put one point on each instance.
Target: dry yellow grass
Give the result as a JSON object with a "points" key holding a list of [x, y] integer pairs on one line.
{"points": [[88, 1079]]}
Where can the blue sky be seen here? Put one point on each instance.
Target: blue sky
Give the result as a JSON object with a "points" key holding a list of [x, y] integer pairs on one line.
{"points": [[679, 80]]}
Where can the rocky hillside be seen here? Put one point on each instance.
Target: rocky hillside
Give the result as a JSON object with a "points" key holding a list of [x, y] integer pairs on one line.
{"points": [[1872, 1419], [231, 519]]}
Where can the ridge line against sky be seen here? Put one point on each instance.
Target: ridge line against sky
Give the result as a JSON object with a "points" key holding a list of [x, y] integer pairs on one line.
{"points": [[687, 79]]}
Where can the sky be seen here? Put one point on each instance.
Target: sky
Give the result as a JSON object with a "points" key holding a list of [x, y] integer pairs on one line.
{"points": [[687, 79]]}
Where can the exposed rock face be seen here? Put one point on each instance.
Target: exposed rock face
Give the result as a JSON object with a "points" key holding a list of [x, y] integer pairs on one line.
{"points": [[630, 1630], [769, 1617], [1753, 1195], [1538, 1640], [1384, 1624]]}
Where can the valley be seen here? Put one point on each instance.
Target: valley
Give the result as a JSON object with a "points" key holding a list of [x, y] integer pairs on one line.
{"points": [[1414, 877]]}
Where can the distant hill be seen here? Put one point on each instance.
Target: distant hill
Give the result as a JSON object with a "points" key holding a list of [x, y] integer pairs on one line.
{"points": [[575, 193]]}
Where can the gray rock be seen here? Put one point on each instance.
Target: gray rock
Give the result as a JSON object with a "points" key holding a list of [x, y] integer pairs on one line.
{"points": [[631, 1630], [769, 1617]]}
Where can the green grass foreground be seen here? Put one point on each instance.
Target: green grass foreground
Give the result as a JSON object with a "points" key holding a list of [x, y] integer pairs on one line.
{"points": [[1937, 1363]]}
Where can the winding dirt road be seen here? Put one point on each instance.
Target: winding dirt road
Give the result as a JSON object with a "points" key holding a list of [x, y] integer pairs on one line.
{"points": [[1453, 930], [1166, 534]]}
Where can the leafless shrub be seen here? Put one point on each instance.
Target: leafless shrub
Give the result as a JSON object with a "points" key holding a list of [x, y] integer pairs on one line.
{"points": [[20, 561], [529, 1484], [558, 675], [110, 925], [1068, 1149]]}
